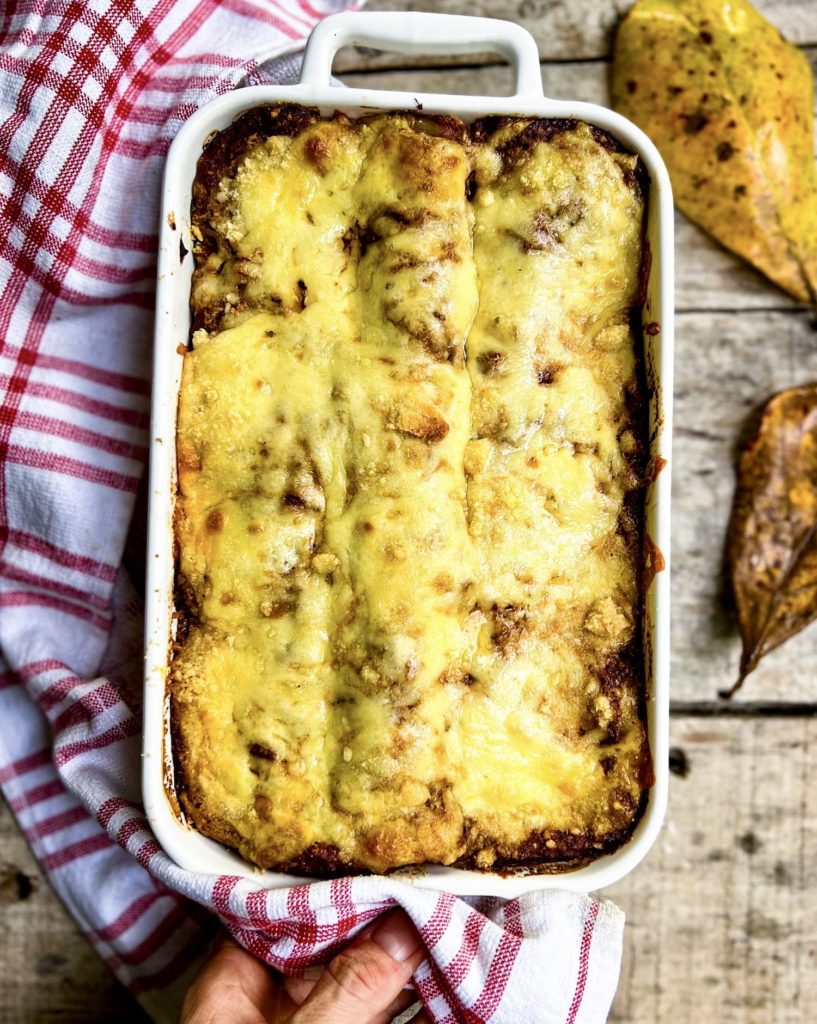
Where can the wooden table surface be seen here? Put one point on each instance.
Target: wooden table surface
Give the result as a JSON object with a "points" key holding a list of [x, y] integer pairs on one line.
{"points": [[722, 915]]}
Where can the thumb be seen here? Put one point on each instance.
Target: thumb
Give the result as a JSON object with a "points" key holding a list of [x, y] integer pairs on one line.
{"points": [[365, 978]]}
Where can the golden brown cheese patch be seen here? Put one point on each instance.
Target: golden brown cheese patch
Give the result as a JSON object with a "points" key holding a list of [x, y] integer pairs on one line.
{"points": [[408, 521]]}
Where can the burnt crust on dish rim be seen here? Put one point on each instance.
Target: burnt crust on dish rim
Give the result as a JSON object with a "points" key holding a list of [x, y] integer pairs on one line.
{"points": [[542, 851]]}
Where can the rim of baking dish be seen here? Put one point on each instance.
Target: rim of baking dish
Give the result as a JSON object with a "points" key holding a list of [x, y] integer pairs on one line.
{"points": [[414, 33]]}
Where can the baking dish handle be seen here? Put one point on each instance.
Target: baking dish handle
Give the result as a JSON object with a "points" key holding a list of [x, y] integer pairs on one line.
{"points": [[418, 33]]}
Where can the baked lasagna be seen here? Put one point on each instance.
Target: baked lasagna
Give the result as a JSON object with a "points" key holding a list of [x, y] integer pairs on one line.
{"points": [[411, 445]]}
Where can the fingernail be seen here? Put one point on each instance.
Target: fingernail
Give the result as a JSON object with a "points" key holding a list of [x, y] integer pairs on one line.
{"points": [[397, 936]]}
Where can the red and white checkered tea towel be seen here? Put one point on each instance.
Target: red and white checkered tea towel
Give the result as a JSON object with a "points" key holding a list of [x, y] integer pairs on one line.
{"points": [[91, 93]]}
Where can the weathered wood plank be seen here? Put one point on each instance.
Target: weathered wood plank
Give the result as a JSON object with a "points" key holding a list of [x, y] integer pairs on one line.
{"points": [[721, 913], [707, 276], [726, 366], [49, 974], [563, 29]]}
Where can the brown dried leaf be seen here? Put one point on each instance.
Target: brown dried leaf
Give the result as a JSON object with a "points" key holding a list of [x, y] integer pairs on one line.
{"points": [[772, 542], [728, 102]]}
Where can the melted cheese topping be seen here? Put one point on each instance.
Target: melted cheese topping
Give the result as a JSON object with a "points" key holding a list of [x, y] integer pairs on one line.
{"points": [[403, 464]]}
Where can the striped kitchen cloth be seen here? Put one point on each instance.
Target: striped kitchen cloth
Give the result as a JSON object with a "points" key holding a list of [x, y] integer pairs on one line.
{"points": [[91, 93]]}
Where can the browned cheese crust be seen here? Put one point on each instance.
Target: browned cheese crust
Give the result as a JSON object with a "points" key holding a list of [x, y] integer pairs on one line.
{"points": [[412, 451]]}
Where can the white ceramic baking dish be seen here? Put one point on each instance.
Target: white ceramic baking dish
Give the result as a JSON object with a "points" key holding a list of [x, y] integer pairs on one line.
{"points": [[414, 33]]}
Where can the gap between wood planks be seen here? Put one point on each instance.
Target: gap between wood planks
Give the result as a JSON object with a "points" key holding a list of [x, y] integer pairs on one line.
{"points": [[473, 62], [356, 60], [742, 709]]}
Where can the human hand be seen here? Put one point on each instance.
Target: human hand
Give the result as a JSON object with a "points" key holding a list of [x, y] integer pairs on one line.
{"points": [[362, 984]]}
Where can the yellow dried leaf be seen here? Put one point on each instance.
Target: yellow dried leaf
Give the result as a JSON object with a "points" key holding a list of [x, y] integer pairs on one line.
{"points": [[729, 104]]}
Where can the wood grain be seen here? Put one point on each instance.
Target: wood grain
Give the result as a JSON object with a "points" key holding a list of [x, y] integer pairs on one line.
{"points": [[49, 974], [563, 29], [721, 914]]}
